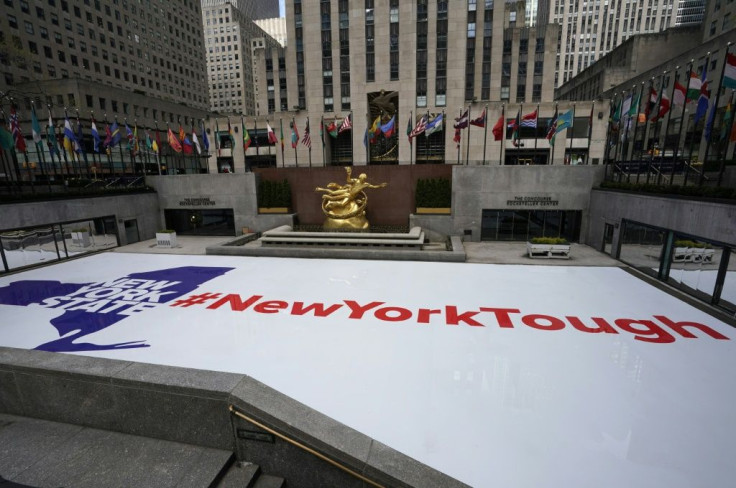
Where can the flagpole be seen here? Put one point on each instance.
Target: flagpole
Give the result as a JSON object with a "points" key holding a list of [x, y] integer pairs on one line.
{"points": [[310, 143], [95, 161], [411, 144], [590, 133], [695, 128], [518, 131], [467, 134], [715, 108], [682, 119], [281, 141], [294, 132], [485, 134], [63, 152], [157, 153], [426, 142], [503, 134], [352, 143], [569, 135], [609, 132], [667, 128], [636, 130], [322, 138], [645, 136], [81, 146], [40, 153], [722, 167], [536, 134], [458, 143]]}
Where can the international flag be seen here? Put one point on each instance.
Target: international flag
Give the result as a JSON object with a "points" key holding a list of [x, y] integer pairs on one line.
{"points": [[552, 127], [616, 117], [420, 127], [131, 137], [294, 135], [70, 140], [703, 102], [115, 135], [322, 131], [78, 143], [434, 126], [726, 123], [709, 123], [246, 137], [515, 124], [652, 100], [634, 109], [173, 141], [51, 137], [564, 121], [205, 139], [195, 141], [18, 139], [388, 128], [307, 139], [457, 136], [529, 120], [108, 136], [373, 130], [346, 124], [230, 133], [183, 134], [626, 105], [664, 107], [157, 142], [408, 129], [693, 89], [332, 129], [6, 138], [35, 126], [186, 145], [479, 121], [679, 95], [271, 135], [729, 73], [136, 146], [462, 121], [149, 140], [498, 129], [95, 137]]}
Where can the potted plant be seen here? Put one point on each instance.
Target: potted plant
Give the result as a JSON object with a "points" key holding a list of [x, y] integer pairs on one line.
{"points": [[433, 196], [548, 247], [274, 197], [166, 238], [80, 237]]}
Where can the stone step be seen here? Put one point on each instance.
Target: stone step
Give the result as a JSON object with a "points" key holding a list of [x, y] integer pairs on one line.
{"points": [[240, 475], [268, 481]]}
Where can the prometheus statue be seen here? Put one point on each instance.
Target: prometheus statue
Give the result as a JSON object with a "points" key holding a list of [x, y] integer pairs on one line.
{"points": [[344, 205]]}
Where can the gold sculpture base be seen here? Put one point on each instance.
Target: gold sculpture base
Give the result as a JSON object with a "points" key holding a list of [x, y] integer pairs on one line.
{"points": [[354, 223]]}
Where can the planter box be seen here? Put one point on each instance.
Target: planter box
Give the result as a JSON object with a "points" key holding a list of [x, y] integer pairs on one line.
{"points": [[548, 251], [693, 255], [274, 210], [434, 210], [166, 239], [80, 239]]}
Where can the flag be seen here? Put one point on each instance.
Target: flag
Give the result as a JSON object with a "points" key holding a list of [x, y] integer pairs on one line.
{"points": [[529, 120], [271, 135], [332, 129], [626, 105], [479, 121], [679, 95], [373, 130], [462, 121], [498, 129], [78, 146], [195, 141], [420, 127], [664, 107], [693, 89], [294, 135], [729, 75], [173, 141], [515, 139], [70, 140], [186, 145], [136, 147], [456, 138], [307, 139], [246, 137], [281, 139], [709, 123], [322, 131], [651, 102], [131, 137], [434, 126], [703, 102], [149, 140], [115, 134], [564, 121], [182, 134], [51, 137], [205, 139], [6, 139], [726, 123], [18, 139], [108, 135], [634, 109], [616, 112], [389, 127], [346, 125], [408, 129], [35, 126], [157, 142], [95, 137], [552, 127]]}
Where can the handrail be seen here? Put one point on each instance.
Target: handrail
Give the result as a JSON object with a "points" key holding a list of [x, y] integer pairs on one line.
{"points": [[305, 448]]}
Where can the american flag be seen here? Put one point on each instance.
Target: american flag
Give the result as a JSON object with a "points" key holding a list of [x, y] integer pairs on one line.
{"points": [[307, 140], [420, 127], [20, 141], [346, 125]]}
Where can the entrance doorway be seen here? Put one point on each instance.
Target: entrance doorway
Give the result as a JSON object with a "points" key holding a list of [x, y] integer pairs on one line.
{"points": [[607, 239], [131, 231]]}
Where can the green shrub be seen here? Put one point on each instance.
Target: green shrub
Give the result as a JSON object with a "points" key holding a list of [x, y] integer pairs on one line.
{"points": [[549, 240], [433, 193], [274, 193], [689, 243]]}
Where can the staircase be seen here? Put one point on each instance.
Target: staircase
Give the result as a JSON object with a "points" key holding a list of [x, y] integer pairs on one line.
{"points": [[247, 475]]}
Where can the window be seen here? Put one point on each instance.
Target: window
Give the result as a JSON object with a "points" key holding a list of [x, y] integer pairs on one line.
{"points": [[12, 21]]}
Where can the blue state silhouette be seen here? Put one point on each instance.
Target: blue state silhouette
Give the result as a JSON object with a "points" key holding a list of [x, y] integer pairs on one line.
{"points": [[27, 292]]}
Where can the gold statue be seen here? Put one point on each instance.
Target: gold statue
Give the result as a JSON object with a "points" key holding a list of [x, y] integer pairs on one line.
{"points": [[344, 205]]}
